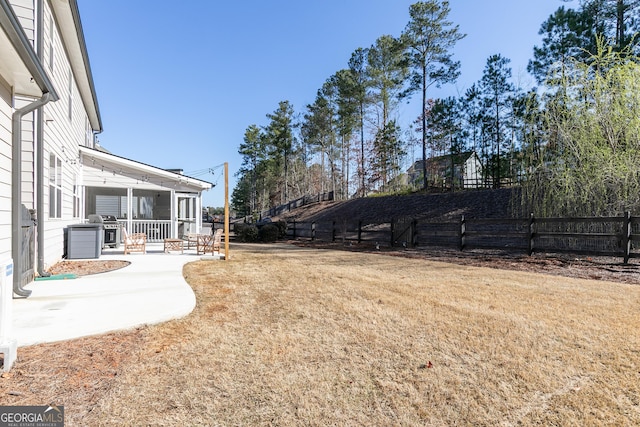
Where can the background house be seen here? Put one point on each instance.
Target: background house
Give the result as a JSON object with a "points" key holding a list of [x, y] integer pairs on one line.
{"points": [[462, 170]]}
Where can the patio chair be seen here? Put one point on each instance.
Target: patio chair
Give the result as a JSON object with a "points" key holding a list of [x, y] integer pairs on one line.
{"points": [[217, 239], [136, 242], [209, 242], [190, 240]]}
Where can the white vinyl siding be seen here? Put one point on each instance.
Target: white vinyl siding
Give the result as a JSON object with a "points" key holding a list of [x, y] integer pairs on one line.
{"points": [[25, 11], [50, 43], [27, 166], [64, 132], [5, 171], [70, 95]]}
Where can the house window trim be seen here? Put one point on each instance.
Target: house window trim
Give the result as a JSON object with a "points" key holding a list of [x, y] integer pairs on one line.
{"points": [[77, 201], [55, 187]]}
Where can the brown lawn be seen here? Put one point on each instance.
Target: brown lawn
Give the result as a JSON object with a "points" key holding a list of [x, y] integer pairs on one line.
{"points": [[296, 336]]}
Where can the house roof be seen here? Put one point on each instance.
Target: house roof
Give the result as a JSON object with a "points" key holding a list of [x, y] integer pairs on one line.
{"points": [[70, 27], [145, 173], [20, 65]]}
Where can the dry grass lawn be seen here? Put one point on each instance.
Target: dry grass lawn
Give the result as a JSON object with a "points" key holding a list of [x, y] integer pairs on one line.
{"points": [[288, 336]]}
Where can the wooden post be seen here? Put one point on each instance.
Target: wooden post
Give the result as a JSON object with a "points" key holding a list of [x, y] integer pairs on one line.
{"points": [[226, 212], [463, 232], [414, 233], [294, 230], [313, 230], [391, 240], [359, 231], [530, 235], [333, 231], [626, 236]]}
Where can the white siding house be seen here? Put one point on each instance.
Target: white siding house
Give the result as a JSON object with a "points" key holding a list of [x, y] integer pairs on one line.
{"points": [[24, 87], [50, 135], [51, 173], [59, 180]]}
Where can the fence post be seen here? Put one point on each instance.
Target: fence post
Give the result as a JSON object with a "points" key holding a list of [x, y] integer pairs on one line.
{"points": [[531, 235], [333, 231], [463, 232], [414, 233], [359, 231], [313, 230], [626, 236], [392, 240], [294, 230]]}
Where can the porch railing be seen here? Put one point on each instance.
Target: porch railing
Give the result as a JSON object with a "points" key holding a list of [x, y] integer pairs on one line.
{"points": [[156, 230]]}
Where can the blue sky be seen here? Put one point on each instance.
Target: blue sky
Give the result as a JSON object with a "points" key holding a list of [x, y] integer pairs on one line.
{"points": [[178, 83]]}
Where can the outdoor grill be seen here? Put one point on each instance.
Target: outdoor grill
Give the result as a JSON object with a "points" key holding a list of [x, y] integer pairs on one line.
{"points": [[112, 229]]}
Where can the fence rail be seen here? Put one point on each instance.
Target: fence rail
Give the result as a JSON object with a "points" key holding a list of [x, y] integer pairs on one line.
{"points": [[605, 236], [293, 204]]}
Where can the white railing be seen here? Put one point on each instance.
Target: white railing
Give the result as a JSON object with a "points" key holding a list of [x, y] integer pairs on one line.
{"points": [[156, 230]]}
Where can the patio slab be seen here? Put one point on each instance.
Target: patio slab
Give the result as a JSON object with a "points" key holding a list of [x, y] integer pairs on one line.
{"points": [[148, 291]]}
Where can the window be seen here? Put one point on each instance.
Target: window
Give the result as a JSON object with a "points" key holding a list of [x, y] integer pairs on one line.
{"points": [[76, 201], [55, 187], [88, 134]]}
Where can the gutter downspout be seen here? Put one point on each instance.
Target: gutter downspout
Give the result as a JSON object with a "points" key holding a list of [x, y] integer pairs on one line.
{"points": [[16, 190], [40, 193], [39, 153]]}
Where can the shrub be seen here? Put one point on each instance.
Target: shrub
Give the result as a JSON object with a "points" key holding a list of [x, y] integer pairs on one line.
{"points": [[282, 228], [247, 233], [269, 233]]}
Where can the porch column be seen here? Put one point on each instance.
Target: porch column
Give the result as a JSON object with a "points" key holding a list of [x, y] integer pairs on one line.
{"points": [[174, 215], [199, 212], [130, 210]]}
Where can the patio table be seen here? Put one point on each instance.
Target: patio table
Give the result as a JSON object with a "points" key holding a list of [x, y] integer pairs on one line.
{"points": [[174, 245]]}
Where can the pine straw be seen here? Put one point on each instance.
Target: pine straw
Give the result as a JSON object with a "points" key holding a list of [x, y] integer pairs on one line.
{"points": [[290, 336]]}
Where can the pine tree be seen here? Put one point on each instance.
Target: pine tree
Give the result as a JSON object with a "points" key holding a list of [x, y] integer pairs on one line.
{"points": [[357, 67], [430, 38], [498, 92]]}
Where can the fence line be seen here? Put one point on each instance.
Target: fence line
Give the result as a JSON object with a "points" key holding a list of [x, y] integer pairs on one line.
{"points": [[293, 204], [605, 236]]}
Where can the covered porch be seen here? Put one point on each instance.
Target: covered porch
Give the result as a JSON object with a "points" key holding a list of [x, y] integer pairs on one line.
{"points": [[144, 199]]}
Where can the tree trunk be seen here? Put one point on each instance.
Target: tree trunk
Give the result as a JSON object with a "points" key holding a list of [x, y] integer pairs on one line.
{"points": [[424, 127]]}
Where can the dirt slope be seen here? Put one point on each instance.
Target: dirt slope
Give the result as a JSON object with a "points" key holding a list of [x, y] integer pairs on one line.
{"points": [[472, 204]]}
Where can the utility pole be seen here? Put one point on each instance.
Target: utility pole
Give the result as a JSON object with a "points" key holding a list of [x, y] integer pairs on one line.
{"points": [[226, 211]]}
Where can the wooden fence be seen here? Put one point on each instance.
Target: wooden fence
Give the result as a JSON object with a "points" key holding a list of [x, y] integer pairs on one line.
{"points": [[604, 236], [293, 204]]}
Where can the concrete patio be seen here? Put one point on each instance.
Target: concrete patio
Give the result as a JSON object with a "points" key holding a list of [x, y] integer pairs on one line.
{"points": [[150, 290]]}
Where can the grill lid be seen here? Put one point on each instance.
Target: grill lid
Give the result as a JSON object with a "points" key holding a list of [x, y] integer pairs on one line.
{"points": [[95, 219]]}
